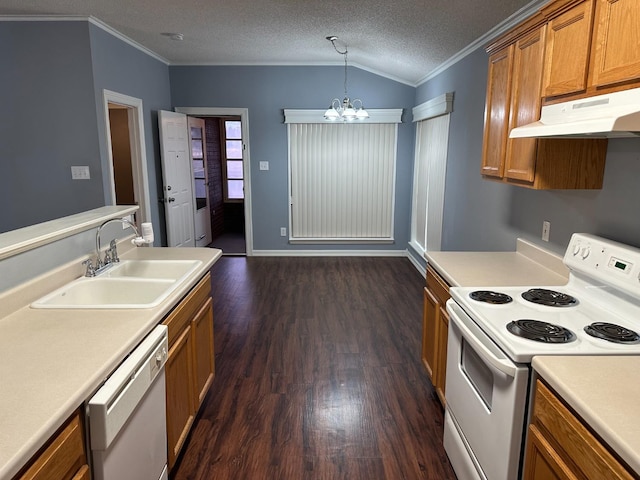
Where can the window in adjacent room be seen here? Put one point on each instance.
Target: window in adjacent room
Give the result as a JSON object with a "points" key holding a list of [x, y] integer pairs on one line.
{"points": [[232, 160]]}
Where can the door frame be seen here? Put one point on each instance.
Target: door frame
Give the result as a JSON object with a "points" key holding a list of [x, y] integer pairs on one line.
{"points": [[138, 150], [243, 113]]}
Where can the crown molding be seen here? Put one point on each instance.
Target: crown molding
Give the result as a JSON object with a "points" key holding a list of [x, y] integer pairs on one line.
{"points": [[80, 18], [522, 14]]}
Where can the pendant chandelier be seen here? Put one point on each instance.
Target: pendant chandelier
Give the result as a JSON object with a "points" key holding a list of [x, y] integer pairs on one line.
{"points": [[345, 110]]}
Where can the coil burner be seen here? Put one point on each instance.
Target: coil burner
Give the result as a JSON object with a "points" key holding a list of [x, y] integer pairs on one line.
{"points": [[612, 333], [550, 298], [487, 296], [540, 331]]}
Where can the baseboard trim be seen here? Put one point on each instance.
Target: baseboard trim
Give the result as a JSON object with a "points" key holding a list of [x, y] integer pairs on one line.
{"points": [[330, 253]]}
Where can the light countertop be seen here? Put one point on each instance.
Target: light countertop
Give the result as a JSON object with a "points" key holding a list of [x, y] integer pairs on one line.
{"points": [[528, 265], [52, 360], [604, 391]]}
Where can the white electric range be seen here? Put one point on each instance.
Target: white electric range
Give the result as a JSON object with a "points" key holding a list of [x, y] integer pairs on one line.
{"points": [[495, 332]]}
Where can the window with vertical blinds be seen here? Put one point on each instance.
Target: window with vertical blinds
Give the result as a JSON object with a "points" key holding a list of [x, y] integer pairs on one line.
{"points": [[429, 174], [342, 182]]}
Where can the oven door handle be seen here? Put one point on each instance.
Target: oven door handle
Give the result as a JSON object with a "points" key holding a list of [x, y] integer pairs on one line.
{"points": [[458, 316]]}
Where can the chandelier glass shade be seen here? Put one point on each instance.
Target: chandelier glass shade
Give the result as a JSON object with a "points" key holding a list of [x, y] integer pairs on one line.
{"points": [[345, 110]]}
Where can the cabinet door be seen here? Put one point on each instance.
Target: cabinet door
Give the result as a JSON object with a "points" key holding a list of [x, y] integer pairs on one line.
{"points": [[496, 112], [429, 339], [180, 403], [203, 360], [525, 104], [567, 50], [441, 351], [83, 473], [616, 39], [64, 457], [542, 461]]}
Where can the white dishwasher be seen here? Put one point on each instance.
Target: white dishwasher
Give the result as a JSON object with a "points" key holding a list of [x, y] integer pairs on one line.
{"points": [[127, 416]]}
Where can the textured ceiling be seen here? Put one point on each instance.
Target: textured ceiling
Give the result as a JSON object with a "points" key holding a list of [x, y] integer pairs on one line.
{"points": [[403, 39]]}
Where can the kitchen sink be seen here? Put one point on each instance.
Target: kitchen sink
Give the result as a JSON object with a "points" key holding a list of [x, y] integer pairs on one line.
{"points": [[127, 284], [160, 269]]}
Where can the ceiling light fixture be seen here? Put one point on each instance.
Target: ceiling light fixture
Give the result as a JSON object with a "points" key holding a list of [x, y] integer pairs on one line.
{"points": [[345, 110], [174, 36]]}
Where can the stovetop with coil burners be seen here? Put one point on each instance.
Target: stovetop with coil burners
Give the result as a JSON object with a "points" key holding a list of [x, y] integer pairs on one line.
{"points": [[596, 313]]}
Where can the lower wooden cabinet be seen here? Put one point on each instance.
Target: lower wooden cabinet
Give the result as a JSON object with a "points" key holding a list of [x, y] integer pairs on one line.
{"points": [[63, 457], [435, 329], [190, 364], [560, 446]]}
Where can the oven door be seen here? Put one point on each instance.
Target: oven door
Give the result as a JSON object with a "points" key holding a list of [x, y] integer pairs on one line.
{"points": [[486, 395]]}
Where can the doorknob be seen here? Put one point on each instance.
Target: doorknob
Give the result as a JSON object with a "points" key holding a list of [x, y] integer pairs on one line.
{"points": [[171, 199]]}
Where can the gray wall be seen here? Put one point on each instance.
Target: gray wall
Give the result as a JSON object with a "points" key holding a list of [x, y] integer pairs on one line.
{"points": [[266, 91], [124, 69], [485, 215], [48, 124]]}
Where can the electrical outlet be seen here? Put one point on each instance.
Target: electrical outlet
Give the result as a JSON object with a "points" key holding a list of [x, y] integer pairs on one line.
{"points": [[546, 226], [283, 231], [80, 172], [264, 165]]}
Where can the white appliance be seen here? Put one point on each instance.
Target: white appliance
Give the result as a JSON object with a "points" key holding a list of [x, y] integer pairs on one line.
{"points": [[489, 377], [612, 115], [127, 416]]}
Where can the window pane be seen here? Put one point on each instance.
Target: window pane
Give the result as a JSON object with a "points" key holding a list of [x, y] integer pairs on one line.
{"points": [[233, 129], [234, 170], [196, 132], [198, 169], [196, 148], [234, 148], [235, 188], [201, 192]]}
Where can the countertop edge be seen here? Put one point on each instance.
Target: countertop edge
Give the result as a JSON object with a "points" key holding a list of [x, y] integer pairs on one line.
{"points": [[548, 368]]}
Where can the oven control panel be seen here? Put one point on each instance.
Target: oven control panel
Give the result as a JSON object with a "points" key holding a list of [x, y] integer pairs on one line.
{"points": [[605, 260]]}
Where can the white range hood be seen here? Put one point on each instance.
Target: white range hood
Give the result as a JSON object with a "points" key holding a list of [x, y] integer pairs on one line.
{"points": [[614, 115]]}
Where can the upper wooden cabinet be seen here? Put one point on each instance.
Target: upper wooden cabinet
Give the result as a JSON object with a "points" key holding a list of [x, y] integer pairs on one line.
{"points": [[514, 86], [567, 48], [617, 42], [591, 47]]}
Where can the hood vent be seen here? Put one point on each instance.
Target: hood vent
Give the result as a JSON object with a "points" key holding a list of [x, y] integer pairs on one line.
{"points": [[614, 115]]}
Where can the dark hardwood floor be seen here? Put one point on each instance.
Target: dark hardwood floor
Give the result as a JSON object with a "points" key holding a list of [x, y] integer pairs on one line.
{"points": [[318, 374]]}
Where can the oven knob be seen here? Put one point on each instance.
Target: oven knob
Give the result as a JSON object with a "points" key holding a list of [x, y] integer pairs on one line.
{"points": [[585, 252], [576, 249]]}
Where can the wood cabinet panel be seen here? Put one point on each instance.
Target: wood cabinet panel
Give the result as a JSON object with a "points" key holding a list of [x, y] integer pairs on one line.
{"points": [[561, 446], [496, 119], [616, 39], [435, 328], [203, 353], [184, 312], [568, 41], [63, 457], [528, 61], [180, 404], [429, 319]]}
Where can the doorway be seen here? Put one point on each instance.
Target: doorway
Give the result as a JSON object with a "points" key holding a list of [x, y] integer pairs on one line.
{"points": [[127, 155], [228, 177]]}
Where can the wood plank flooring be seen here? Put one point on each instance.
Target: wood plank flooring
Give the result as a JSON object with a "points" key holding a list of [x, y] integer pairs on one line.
{"points": [[318, 374]]}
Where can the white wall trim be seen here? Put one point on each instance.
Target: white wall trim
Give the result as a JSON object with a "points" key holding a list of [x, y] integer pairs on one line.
{"points": [[243, 113], [440, 105], [138, 149], [385, 115], [330, 253]]}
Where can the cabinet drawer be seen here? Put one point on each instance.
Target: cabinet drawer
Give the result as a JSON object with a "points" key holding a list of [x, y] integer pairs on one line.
{"points": [[437, 285], [63, 457], [180, 317], [570, 436]]}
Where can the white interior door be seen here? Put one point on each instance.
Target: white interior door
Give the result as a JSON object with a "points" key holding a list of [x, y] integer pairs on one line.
{"points": [[177, 178], [198, 152]]}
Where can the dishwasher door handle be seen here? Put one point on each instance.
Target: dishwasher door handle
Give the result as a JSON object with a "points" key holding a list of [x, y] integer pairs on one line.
{"points": [[117, 399]]}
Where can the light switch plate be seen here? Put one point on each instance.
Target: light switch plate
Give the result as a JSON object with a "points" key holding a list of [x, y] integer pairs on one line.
{"points": [[80, 172], [264, 165]]}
